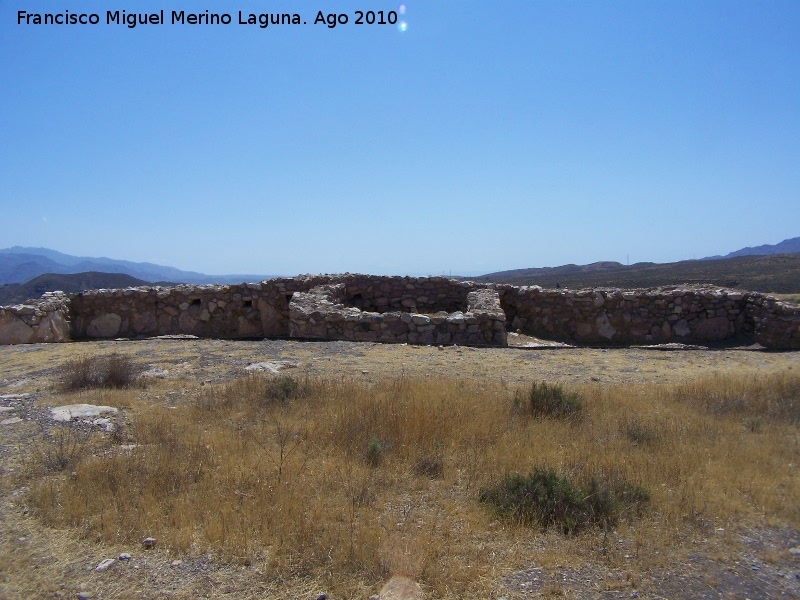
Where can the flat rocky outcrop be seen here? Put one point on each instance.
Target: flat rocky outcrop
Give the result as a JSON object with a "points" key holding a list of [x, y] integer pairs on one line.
{"points": [[419, 310]]}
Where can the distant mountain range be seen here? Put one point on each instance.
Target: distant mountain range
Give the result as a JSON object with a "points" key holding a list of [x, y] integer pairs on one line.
{"points": [[16, 293], [770, 268], [29, 272], [20, 264], [789, 246], [777, 273]]}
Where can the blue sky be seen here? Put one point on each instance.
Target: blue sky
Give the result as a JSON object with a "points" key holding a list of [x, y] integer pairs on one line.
{"points": [[489, 135]]}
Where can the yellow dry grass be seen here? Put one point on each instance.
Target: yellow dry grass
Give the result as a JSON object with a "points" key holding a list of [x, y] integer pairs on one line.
{"points": [[335, 480]]}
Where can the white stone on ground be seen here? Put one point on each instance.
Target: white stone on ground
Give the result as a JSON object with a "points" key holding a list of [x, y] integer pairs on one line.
{"points": [[79, 411], [104, 564], [272, 367], [15, 396], [155, 373]]}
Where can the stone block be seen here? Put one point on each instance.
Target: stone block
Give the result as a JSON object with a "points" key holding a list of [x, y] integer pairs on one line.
{"points": [[104, 326], [14, 331]]}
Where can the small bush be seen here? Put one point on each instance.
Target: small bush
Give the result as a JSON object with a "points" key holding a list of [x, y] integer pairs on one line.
{"points": [[112, 371], [549, 400], [429, 466], [754, 424], [62, 448], [634, 495], [255, 394], [550, 500], [374, 452], [284, 388], [641, 434]]}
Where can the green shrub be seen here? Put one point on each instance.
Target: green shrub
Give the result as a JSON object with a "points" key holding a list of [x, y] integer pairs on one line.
{"points": [[112, 371], [548, 499], [549, 400], [374, 452]]}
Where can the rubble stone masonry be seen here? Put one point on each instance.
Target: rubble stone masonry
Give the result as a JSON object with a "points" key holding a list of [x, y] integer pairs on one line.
{"points": [[418, 310]]}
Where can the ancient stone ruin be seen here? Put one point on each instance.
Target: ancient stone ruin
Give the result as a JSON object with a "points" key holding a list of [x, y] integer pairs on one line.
{"points": [[416, 310], [323, 312]]}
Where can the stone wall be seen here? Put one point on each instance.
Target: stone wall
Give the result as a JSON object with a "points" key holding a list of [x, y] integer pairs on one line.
{"points": [[656, 316], [407, 309], [775, 324], [426, 295], [323, 313], [248, 310], [202, 310], [366, 292], [629, 317], [41, 320]]}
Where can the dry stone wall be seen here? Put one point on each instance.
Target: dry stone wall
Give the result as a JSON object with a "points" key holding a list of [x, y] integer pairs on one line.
{"points": [[369, 293], [322, 313], [433, 310], [205, 311], [775, 324], [427, 295], [42, 320], [248, 309], [629, 317]]}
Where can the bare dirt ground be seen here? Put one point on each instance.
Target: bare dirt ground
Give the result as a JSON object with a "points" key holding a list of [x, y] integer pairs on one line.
{"points": [[41, 562]]}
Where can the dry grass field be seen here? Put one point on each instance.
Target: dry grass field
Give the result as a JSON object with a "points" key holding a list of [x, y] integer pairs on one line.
{"points": [[362, 461]]}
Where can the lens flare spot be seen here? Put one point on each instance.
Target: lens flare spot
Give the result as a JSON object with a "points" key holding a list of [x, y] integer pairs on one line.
{"points": [[402, 26], [401, 9]]}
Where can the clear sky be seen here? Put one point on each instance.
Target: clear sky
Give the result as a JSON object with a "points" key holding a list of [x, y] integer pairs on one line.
{"points": [[489, 135]]}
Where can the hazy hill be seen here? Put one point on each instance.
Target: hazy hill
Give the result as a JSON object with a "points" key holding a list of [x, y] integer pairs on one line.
{"points": [[570, 270], [14, 293], [778, 273], [789, 246], [20, 264], [18, 268]]}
